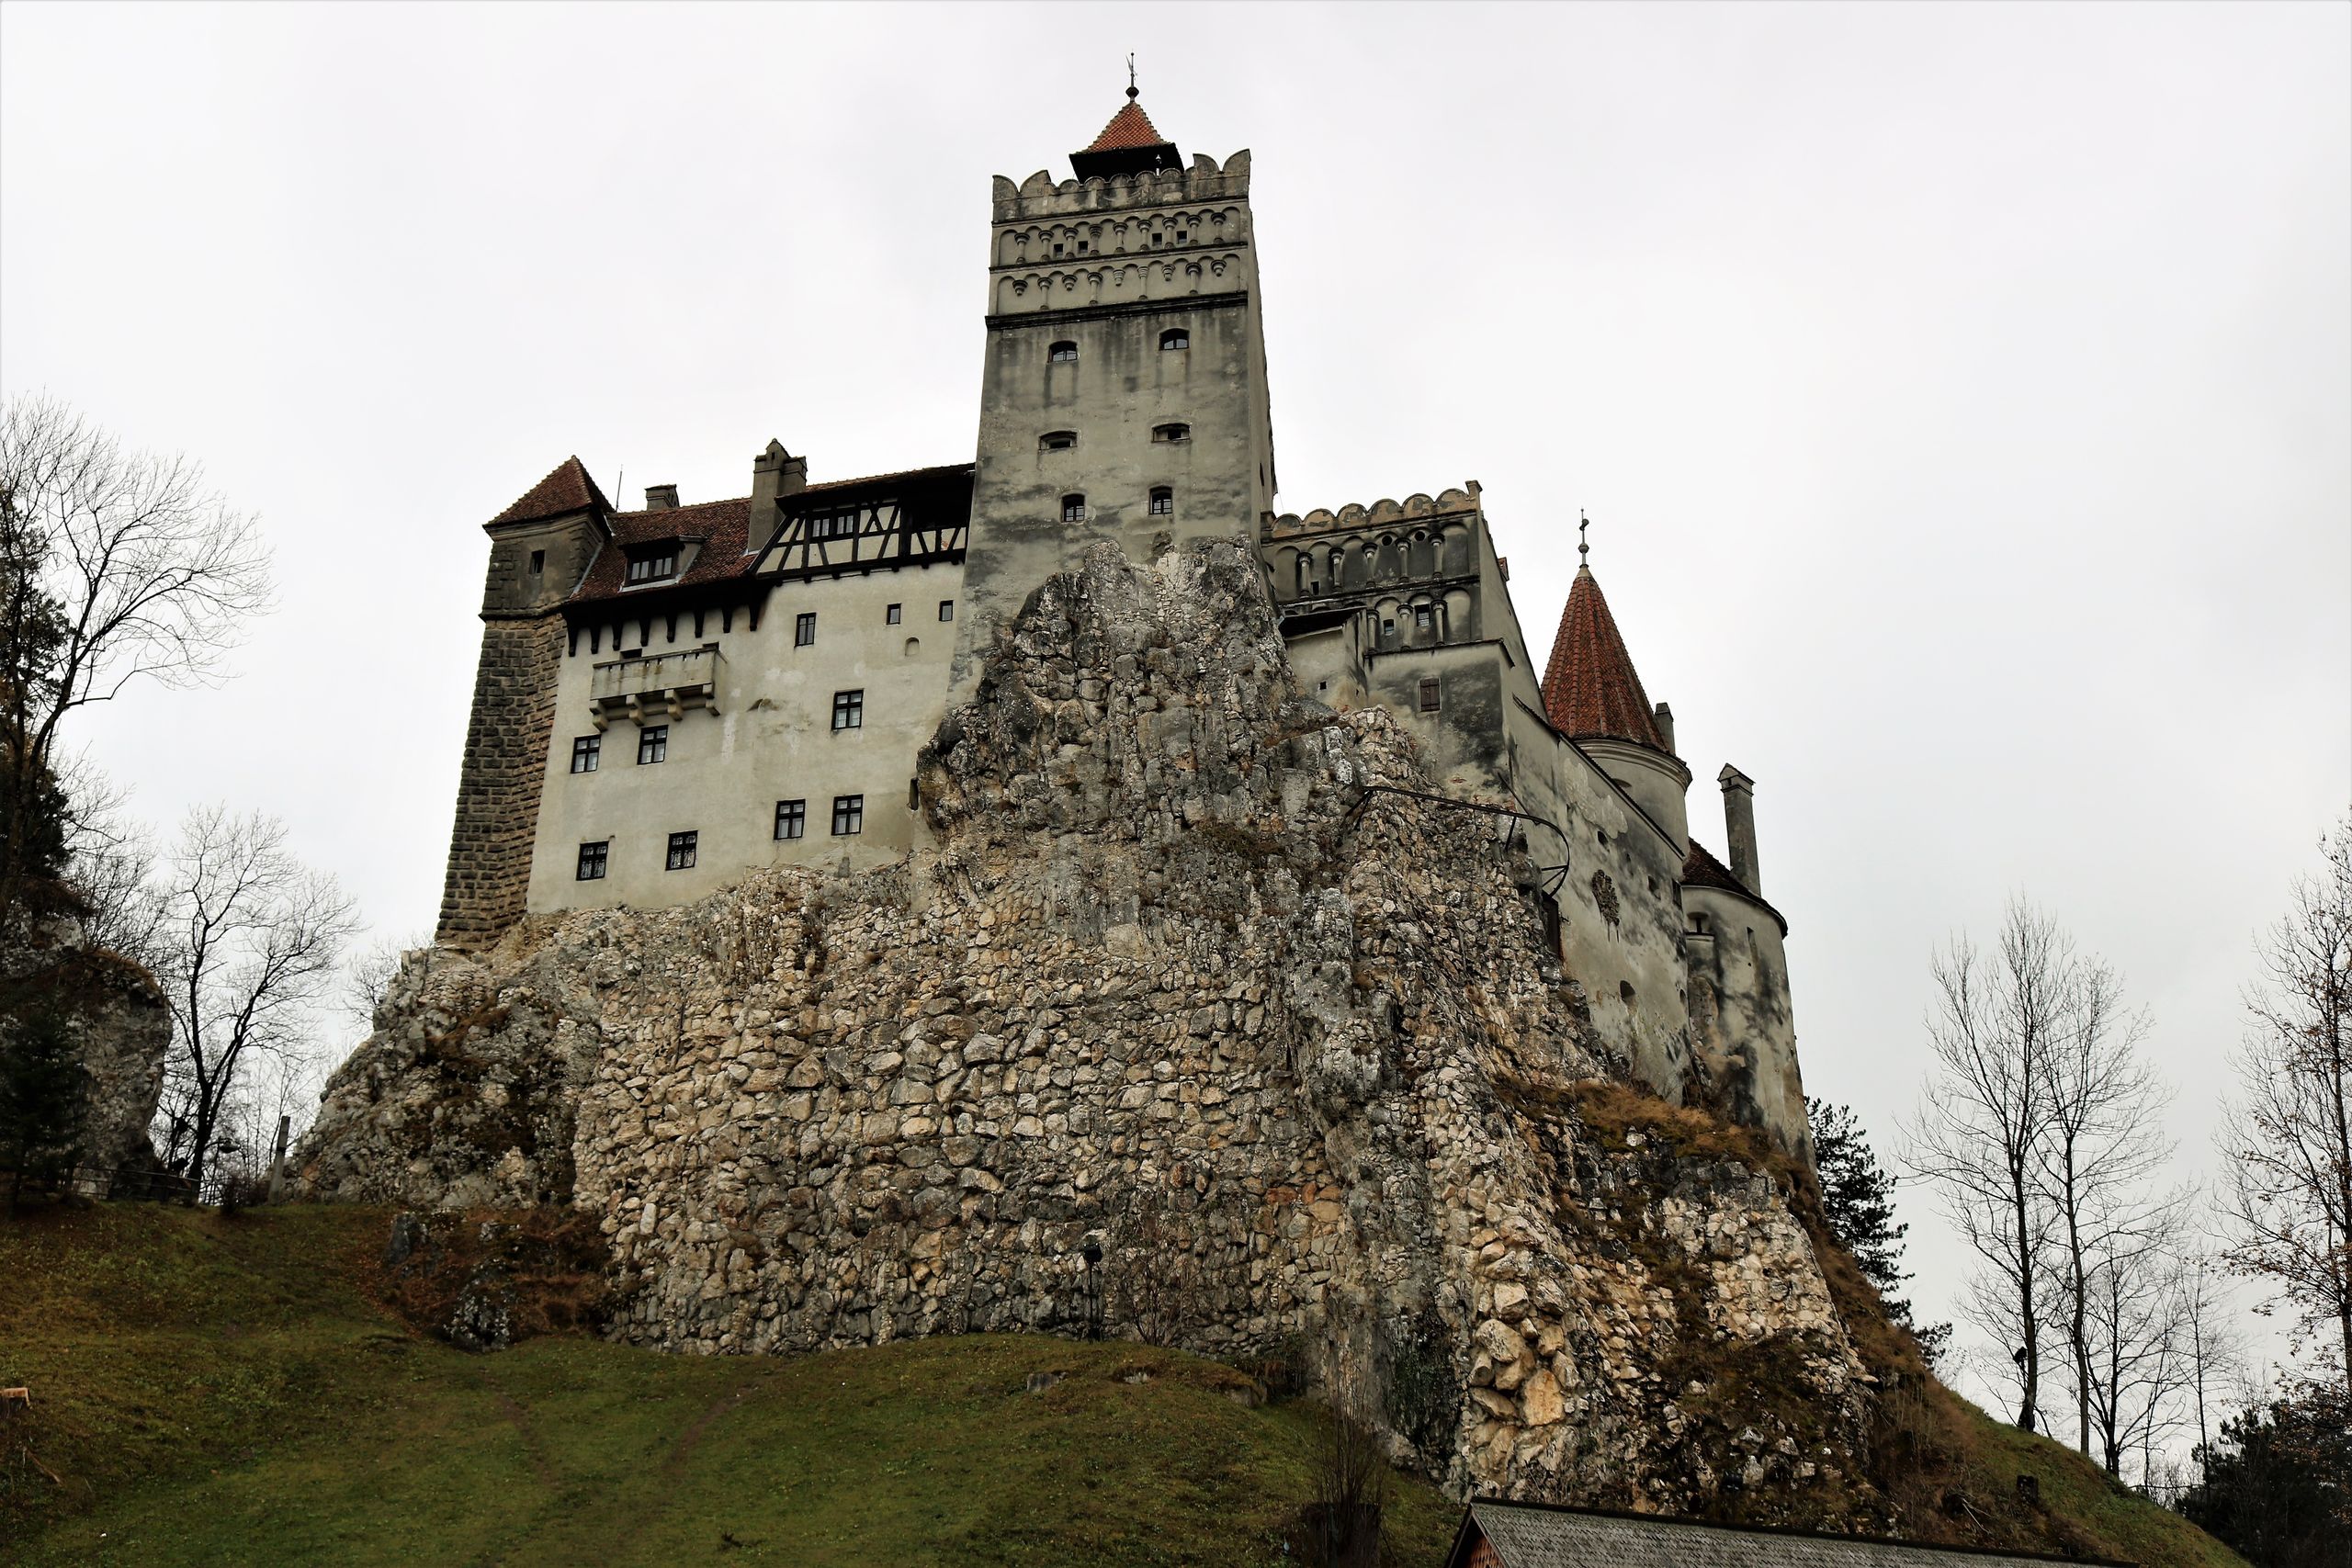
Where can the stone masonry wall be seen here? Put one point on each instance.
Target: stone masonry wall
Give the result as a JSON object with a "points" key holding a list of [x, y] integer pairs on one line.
{"points": [[498, 787], [1296, 1055]]}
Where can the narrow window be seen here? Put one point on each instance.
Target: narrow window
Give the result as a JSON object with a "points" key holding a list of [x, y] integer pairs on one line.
{"points": [[849, 710], [1057, 441], [849, 815], [804, 628], [1422, 619], [791, 818], [653, 744], [914, 794], [890, 615], [585, 752], [1428, 696], [1062, 352], [948, 609], [1698, 925], [592, 861], [1163, 501], [682, 853], [1175, 337], [1172, 432], [1073, 509], [1058, 250], [1183, 234], [539, 562]]}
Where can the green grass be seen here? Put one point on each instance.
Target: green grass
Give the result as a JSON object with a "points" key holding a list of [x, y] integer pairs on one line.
{"points": [[2089, 1512], [219, 1391]]}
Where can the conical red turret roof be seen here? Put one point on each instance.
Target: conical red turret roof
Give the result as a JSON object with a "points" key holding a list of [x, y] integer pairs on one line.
{"points": [[1130, 128], [1589, 687]]}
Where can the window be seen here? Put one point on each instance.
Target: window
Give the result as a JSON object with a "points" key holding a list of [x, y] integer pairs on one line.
{"points": [[539, 562], [1428, 696], [1423, 618], [914, 794], [1073, 509], [653, 567], [652, 744], [592, 861], [849, 815], [1057, 441], [682, 853], [1157, 237], [832, 526], [791, 818], [804, 628], [849, 710], [1172, 432], [585, 752], [1175, 337], [890, 616], [1699, 925], [948, 609], [1163, 501], [1062, 352]]}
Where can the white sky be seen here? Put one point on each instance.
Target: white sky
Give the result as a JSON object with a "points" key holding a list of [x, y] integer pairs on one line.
{"points": [[1962, 394]]}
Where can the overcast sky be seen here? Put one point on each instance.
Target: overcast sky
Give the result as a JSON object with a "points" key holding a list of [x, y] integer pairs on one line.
{"points": [[1962, 395]]}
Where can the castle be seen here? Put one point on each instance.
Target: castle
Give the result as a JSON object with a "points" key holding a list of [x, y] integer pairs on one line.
{"points": [[672, 698]]}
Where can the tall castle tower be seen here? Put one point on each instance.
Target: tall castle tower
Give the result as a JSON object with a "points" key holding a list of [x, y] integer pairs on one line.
{"points": [[1123, 395]]}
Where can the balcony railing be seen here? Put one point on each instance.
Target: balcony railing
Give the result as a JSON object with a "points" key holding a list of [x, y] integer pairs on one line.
{"points": [[655, 688]]}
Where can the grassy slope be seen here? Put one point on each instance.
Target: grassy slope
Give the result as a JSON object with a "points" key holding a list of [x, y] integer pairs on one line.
{"points": [[215, 1391]]}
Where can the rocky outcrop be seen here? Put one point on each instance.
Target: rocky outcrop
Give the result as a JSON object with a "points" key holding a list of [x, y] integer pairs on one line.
{"points": [[119, 1028], [1179, 977]]}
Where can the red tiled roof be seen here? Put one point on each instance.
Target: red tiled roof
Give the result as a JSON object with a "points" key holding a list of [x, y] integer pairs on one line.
{"points": [[1701, 869], [1590, 688], [1129, 129], [567, 488], [722, 525]]}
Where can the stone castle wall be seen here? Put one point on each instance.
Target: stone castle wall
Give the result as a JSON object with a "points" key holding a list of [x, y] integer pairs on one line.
{"points": [[498, 787], [1175, 981]]}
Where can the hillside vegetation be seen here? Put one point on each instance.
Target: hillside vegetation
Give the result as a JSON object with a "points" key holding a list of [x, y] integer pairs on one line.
{"points": [[210, 1391]]}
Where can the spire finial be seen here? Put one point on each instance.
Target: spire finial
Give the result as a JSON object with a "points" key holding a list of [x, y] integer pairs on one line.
{"points": [[1583, 550], [1131, 78]]}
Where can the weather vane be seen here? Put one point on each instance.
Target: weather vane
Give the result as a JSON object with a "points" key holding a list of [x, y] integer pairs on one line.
{"points": [[1583, 550], [1131, 78]]}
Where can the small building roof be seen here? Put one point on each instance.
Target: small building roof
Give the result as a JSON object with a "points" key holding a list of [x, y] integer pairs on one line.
{"points": [[1531, 1535], [720, 527], [1590, 688], [1701, 869], [568, 487]]}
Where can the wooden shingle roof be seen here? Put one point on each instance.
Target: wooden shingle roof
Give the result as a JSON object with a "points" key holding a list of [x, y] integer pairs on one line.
{"points": [[1523, 1535], [1590, 688]]}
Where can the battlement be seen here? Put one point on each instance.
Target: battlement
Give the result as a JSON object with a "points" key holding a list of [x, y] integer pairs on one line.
{"points": [[1449, 502], [1040, 197]]}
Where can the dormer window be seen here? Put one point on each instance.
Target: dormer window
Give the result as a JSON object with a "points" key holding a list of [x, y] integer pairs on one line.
{"points": [[654, 562], [1172, 432], [1057, 441], [1175, 337], [1063, 354], [1164, 501], [1073, 509], [833, 525]]}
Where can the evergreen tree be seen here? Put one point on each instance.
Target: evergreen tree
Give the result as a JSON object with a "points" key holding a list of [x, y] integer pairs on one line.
{"points": [[44, 1100], [1858, 1203], [2277, 1487]]}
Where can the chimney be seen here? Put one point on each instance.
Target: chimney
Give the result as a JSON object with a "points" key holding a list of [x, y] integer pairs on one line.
{"points": [[1663, 716], [1739, 826], [777, 473], [660, 498]]}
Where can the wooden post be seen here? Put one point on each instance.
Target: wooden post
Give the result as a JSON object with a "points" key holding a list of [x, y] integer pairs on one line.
{"points": [[278, 1163]]}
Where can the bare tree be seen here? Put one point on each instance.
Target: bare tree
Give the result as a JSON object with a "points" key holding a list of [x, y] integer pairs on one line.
{"points": [[2101, 1145], [2134, 1368], [2216, 1351], [114, 568], [1980, 1131], [369, 973], [2288, 1134], [247, 944]]}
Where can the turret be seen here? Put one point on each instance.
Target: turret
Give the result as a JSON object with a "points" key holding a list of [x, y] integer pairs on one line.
{"points": [[1592, 696]]}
